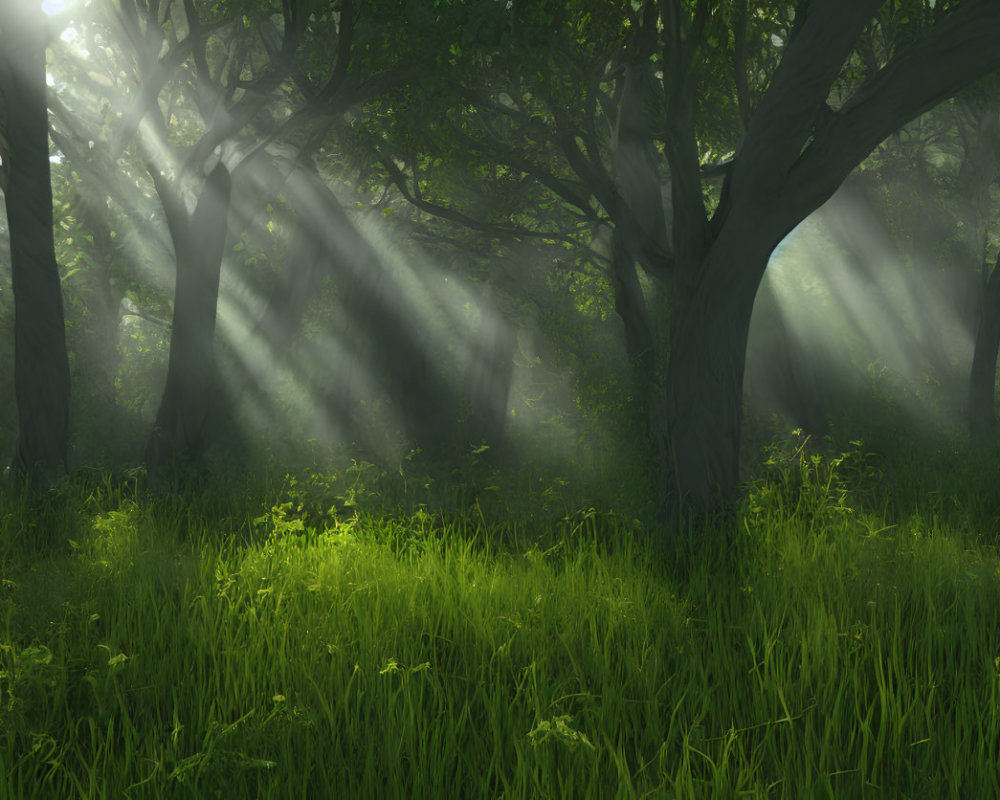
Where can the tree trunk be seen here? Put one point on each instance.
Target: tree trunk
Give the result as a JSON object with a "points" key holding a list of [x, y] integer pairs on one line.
{"points": [[488, 377], [41, 366], [180, 431], [983, 376], [979, 169], [630, 305], [697, 413]]}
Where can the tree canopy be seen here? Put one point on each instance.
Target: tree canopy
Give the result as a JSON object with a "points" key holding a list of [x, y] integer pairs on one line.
{"points": [[250, 160]]}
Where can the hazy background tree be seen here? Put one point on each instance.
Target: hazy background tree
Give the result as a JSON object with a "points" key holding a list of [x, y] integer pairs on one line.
{"points": [[979, 132], [41, 368]]}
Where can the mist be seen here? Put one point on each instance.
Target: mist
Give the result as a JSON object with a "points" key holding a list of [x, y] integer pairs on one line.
{"points": [[845, 311]]}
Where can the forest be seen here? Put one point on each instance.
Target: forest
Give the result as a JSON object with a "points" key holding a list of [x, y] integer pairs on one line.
{"points": [[499, 398]]}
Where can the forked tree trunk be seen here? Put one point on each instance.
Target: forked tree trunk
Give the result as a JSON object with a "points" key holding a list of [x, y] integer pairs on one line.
{"points": [[41, 366], [180, 431]]}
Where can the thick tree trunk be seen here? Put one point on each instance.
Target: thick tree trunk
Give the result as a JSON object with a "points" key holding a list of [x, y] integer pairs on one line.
{"points": [[983, 376], [180, 430], [697, 415], [41, 366]]}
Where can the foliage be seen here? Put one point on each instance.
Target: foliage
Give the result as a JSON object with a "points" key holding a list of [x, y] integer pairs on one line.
{"points": [[156, 647], [797, 479]]}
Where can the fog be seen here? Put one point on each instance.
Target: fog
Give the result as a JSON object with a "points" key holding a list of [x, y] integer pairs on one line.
{"points": [[336, 325], [845, 312]]}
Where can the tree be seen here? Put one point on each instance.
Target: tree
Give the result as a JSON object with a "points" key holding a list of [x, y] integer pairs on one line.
{"points": [[983, 375], [41, 366], [979, 170], [200, 63], [796, 153], [801, 141], [180, 429], [214, 71]]}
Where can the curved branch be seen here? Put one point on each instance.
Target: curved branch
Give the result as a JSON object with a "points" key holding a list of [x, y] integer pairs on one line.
{"points": [[960, 49], [786, 115]]}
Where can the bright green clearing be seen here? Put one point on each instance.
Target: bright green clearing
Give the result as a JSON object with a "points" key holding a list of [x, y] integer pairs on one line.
{"points": [[308, 646]]}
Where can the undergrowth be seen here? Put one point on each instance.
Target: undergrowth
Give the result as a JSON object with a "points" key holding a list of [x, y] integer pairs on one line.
{"points": [[362, 632]]}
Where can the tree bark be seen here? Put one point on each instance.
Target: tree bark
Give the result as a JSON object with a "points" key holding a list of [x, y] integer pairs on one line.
{"points": [[637, 173], [697, 419], [979, 169], [41, 365], [983, 376], [179, 434]]}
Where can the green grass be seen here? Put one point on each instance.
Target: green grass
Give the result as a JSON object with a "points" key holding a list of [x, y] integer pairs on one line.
{"points": [[325, 637]]}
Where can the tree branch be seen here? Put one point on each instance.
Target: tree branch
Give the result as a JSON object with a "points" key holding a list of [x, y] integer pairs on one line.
{"points": [[960, 49], [786, 114], [501, 231], [345, 37]]}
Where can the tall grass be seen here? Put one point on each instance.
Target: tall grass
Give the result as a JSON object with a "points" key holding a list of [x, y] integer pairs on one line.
{"points": [[338, 634]]}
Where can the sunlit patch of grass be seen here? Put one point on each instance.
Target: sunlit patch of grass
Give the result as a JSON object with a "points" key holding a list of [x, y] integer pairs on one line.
{"points": [[324, 640]]}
